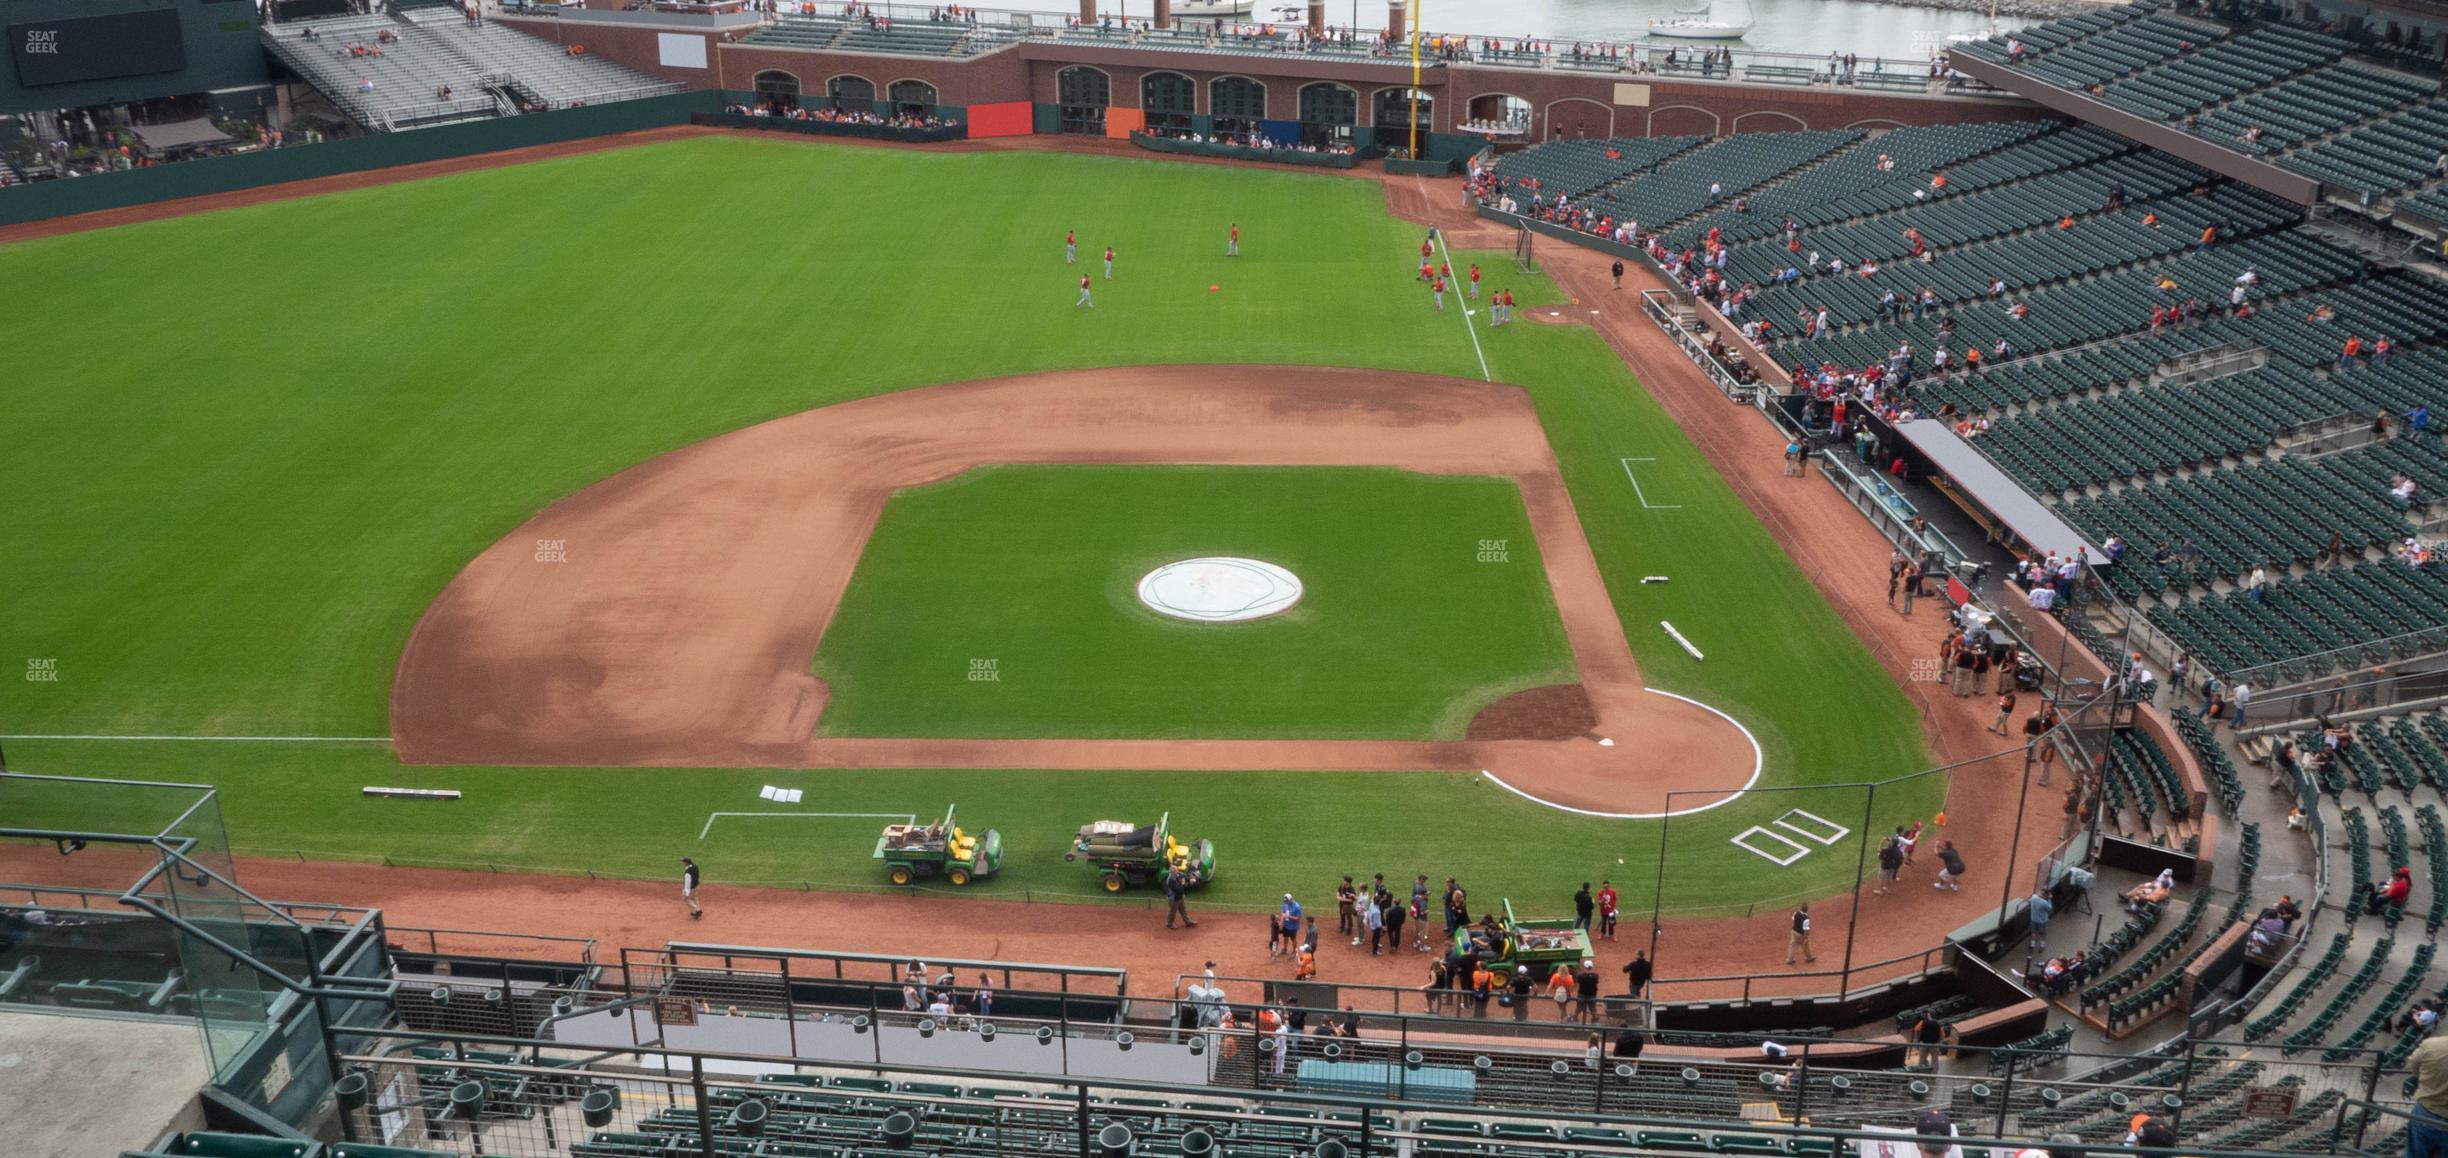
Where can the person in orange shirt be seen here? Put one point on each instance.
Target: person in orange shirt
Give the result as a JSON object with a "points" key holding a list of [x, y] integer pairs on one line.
{"points": [[1232, 242], [1437, 287], [2352, 351], [1307, 968], [1474, 281], [2066, 222], [1972, 358], [2209, 235]]}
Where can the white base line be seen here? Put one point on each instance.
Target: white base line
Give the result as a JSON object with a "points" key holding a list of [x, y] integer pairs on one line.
{"points": [[1636, 487], [223, 739], [1467, 327], [903, 817]]}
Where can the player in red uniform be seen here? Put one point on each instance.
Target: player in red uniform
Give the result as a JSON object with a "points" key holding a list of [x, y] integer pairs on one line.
{"points": [[1084, 300], [1232, 243], [1438, 288], [1474, 288], [1070, 247]]}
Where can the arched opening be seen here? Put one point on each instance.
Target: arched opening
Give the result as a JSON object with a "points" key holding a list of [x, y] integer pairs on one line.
{"points": [[1768, 122], [1580, 117], [1497, 114], [912, 98], [1394, 118], [1328, 113], [1082, 94], [854, 94], [1169, 99], [777, 89], [1238, 104], [1682, 121]]}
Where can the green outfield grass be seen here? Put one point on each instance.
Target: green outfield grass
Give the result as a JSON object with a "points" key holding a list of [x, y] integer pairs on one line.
{"points": [[260, 441], [1401, 631]]}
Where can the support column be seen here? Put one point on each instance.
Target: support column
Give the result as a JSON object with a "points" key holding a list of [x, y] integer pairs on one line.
{"points": [[1395, 11], [1087, 11], [1164, 14], [1317, 19]]}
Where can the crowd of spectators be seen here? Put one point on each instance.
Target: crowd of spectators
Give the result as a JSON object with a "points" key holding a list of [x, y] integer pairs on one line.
{"points": [[833, 114]]}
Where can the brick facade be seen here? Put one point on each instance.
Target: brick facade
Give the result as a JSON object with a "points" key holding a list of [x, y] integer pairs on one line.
{"points": [[1572, 103]]}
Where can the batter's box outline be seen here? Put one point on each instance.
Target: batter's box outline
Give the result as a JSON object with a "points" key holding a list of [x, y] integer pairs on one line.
{"points": [[1800, 850], [1786, 822], [1636, 487]]}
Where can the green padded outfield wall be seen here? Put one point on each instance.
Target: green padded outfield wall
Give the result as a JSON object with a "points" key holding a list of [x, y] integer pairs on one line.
{"points": [[47, 199], [65, 54]]}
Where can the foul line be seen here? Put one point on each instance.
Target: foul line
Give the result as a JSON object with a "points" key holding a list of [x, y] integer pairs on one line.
{"points": [[903, 817], [1467, 327], [1758, 760], [223, 739], [1636, 487]]}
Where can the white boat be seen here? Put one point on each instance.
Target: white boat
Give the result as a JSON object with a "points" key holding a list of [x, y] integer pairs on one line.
{"points": [[1721, 20], [1212, 9]]}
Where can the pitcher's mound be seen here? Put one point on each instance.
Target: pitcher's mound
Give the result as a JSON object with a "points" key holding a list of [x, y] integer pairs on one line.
{"points": [[1554, 712]]}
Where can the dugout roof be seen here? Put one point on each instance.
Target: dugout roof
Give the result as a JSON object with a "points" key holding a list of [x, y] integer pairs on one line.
{"points": [[1980, 480]]}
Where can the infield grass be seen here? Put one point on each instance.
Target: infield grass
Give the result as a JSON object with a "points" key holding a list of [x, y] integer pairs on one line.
{"points": [[231, 507], [1402, 632]]}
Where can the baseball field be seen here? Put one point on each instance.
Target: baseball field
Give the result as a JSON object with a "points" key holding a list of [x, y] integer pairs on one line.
{"points": [[289, 478]]}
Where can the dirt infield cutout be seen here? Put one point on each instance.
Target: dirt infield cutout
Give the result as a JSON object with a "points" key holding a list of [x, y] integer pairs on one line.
{"points": [[699, 584]]}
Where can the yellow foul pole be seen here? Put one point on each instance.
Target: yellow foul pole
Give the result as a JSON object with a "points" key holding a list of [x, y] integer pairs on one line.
{"points": [[1415, 77]]}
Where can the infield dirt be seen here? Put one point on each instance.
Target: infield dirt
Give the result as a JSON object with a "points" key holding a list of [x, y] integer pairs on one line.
{"points": [[674, 623]]}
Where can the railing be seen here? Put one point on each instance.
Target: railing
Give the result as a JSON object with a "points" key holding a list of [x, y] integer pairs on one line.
{"points": [[1374, 1099], [476, 942]]}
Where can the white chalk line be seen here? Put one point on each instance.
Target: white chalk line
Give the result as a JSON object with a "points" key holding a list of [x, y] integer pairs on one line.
{"points": [[1759, 760], [903, 817], [1739, 839], [216, 739], [1636, 487], [1467, 327]]}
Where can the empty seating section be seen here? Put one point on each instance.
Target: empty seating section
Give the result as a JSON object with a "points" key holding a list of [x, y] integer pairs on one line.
{"points": [[2343, 607], [903, 37], [2265, 513], [2131, 46], [2115, 298], [1680, 187], [1969, 217], [400, 84], [2042, 39], [2432, 204], [391, 86], [2221, 71], [543, 72], [1879, 173], [2035, 256], [1573, 168], [2277, 90], [2380, 157], [2321, 101]]}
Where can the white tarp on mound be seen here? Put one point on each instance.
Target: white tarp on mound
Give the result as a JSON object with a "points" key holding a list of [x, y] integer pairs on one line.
{"points": [[1219, 589]]}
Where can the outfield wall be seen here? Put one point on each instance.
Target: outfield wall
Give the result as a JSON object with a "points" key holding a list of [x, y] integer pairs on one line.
{"points": [[48, 199]]}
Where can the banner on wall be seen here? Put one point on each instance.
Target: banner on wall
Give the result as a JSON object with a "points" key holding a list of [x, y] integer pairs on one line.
{"points": [[1008, 119]]}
